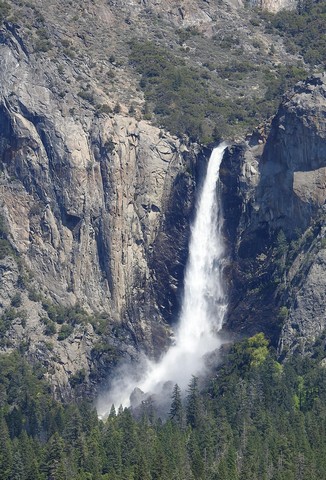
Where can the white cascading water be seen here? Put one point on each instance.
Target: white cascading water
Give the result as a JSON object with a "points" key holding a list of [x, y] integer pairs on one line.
{"points": [[204, 302]]}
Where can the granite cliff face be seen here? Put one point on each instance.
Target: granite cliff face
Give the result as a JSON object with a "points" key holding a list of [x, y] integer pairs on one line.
{"points": [[97, 207], [276, 217]]}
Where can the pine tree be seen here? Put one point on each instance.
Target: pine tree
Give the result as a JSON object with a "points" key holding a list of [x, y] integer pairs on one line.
{"points": [[5, 450], [129, 437], [193, 403], [159, 468], [141, 469], [55, 459], [196, 459], [176, 411], [112, 450], [231, 463], [18, 470], [73, 427], [15, 422], [94, 457], [113, 413], [222, 470], [26, 452]]}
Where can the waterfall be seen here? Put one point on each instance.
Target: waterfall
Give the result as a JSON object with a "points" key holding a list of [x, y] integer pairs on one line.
{"points": [[204, 300]]}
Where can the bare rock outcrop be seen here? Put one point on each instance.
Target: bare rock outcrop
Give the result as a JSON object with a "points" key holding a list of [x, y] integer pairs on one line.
{"points": [[293, 164], [275, 5]]}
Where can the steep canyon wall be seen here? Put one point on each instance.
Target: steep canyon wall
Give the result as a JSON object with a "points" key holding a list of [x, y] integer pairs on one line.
{"points": [[275, 194]]}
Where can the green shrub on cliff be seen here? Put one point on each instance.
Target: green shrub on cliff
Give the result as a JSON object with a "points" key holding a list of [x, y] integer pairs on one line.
{"points": [[183, 100], [65, 331], [4, 10], [5, 246]]}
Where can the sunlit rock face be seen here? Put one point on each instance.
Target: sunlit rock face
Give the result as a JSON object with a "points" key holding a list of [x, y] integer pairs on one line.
{"points": [[96, 205], [86, 206], [275, 5]]}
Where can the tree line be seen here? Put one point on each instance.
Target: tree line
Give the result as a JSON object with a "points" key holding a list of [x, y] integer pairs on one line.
{"points": [[254, 418]]}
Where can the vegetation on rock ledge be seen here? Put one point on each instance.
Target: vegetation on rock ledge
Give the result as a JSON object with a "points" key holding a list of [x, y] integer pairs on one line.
{"points": [[183, 100]]}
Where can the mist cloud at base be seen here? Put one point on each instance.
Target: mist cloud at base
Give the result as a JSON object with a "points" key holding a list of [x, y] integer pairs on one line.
{"points": [[156, 379]]}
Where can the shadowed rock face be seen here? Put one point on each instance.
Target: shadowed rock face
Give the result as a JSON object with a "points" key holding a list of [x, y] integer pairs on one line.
{"points": [[280, 186], [280, 182], [292, 168], [305, 321]]}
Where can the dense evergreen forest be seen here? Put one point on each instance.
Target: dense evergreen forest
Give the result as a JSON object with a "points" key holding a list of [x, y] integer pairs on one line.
{"points": [[253, 419]]}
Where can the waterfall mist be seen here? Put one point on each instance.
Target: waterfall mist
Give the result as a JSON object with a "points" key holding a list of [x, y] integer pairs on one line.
{"points": [[203, 306]]}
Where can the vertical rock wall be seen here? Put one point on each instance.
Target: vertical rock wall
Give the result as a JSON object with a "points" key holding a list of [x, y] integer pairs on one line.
{"points": [[275, 223]]}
